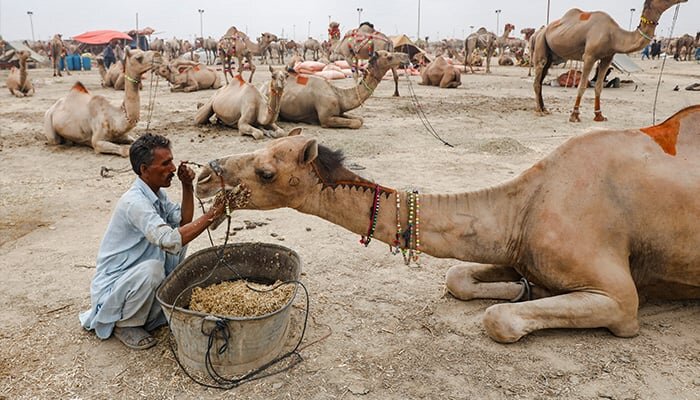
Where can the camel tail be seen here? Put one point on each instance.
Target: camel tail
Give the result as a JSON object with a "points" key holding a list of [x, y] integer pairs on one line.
{"points": [[204, 113], [79, 87]]}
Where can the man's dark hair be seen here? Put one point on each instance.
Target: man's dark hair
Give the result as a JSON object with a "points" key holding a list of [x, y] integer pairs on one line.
{"points": [[142, 151]]}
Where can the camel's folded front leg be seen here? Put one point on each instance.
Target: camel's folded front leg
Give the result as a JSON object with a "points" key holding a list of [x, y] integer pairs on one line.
{"points": [[485, 281], [344, 121], [105, 147]]}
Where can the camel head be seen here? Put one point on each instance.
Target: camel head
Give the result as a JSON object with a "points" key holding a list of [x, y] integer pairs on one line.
{"points": [[138, 61], [23, 55], [267, 38], [509, 28], [281, 174], [383, 61], [279, 79]]}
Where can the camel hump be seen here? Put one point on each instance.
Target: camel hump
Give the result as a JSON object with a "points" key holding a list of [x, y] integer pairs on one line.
{"points": [[666, 133], [79, 87]]}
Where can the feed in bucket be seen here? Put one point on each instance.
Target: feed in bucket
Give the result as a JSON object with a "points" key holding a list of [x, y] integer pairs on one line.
{"points": [[240, 298]]}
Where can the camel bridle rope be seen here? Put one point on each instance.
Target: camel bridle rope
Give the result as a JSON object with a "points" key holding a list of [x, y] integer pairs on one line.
{"points": [[152, 91], [663, 63], [421, 113]]}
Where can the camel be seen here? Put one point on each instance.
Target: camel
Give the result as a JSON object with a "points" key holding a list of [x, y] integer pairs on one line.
{"points": [[241, 104], [157, 45], [581, 250], [314, 100], [313, 45], [83, 118], [361, 44], [209, 46], [487, 41], [440, 73], [17, 82], [114, 77], [237, 44], [58, 52], [591, 36], [189, 76], [505, 60], [172, 48], [684, 48]]}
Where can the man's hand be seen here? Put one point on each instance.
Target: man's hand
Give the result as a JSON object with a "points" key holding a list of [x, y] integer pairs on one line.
{"points": [[185, 174]]}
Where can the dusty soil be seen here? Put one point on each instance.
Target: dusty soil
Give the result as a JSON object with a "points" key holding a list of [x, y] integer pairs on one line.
{"points": [[394, 334]]}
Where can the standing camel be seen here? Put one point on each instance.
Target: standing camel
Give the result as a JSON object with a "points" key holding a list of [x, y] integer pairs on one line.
{"points": [[361, 44], [58, 53], [487, 41], [17, 82], [314, 46], [591, 36], [237, 44], [83, 118]]}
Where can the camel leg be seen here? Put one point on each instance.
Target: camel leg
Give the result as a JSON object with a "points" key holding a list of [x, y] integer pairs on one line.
{"points": [[105, 147], [204, 113], [485, 281], [252, 68], [541, 69], [274, 131], [489, 54], [396, 81], [16, 93], [51, 135], [582, 85], [247, 129], [344, 121], [599, 82]]}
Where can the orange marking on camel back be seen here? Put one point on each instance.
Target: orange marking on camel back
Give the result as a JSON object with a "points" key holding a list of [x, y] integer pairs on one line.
{"points": [[665, 134], [78, 87], [302, 80], [584, 16], [241, 81], [196, 67]]}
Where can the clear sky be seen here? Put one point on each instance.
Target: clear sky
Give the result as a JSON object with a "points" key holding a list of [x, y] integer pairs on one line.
{"points": [[296, 19]]}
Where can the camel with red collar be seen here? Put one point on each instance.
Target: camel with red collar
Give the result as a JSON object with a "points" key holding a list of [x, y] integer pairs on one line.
{"points": [[607, 218]]}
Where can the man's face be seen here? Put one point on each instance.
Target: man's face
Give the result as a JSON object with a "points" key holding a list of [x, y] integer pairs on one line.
{"points": [[161, 171]]}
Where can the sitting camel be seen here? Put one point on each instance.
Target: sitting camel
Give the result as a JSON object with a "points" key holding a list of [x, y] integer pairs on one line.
{"points": [[91, 120], [312, 99], [189, 76], [440, 73], [242, 104], [584, 246], [18, 82], [114, 76]]}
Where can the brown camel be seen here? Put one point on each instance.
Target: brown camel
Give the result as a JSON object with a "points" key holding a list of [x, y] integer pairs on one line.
{"points": [[235, 43], [18, 82], [312, 45], [241, 104], [58, 52], [361, 44], [684, 48], [486, 41], [83, 118], [189, 76], [585, 247], [440, 73], [591, 36], [315, 100], [114, 77]]}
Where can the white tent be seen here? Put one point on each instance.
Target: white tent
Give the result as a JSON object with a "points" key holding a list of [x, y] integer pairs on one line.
{"points": [[623, 63], [18, 45]]}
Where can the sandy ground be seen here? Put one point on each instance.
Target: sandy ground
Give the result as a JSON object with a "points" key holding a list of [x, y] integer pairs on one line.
{"points": [[394, 334]]}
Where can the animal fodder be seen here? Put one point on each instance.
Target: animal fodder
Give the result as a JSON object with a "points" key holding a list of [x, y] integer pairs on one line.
{"points": [[240, 298], [504, 146]]}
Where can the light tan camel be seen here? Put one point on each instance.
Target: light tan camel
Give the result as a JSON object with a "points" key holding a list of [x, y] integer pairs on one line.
{"points": [[58, 52], [189, 76], [684, 48], [237, 44], [486, 41], [361, 44], [589, 245], [241, 104], [83, 118], [502, 41], [114, 77], [314, 100], [591, 36], [18, 82], [312, 45], [440, 73]]}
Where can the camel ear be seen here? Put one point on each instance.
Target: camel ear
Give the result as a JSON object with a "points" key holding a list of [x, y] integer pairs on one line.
{"points": [[309, 152], [271, 70], [127, 51], [295, 132]]}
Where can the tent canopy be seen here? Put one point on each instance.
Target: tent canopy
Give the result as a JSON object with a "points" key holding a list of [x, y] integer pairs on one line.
{"points": [[624, 63], [100, 37], [404, 44], [18, 45]]}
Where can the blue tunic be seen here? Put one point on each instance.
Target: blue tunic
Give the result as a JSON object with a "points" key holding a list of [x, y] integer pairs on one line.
{"points": [[143, 228]]}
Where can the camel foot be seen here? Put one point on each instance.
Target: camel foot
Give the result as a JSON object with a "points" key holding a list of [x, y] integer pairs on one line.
{"points": [[396, 94], [599, 117], [542, 112], [574, 117]]}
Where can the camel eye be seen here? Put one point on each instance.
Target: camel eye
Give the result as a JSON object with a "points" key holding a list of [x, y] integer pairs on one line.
{"points": [[265, 176]]}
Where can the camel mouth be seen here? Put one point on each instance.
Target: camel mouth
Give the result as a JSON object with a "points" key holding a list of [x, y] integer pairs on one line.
{"points": [[236, 198]]}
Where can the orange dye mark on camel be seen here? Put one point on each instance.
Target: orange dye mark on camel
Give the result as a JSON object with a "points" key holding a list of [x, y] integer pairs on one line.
{"points": [[584, 16], [196, 67], [302, 80], [241, 82], [78, 87], [555, 23], [665, 134]]}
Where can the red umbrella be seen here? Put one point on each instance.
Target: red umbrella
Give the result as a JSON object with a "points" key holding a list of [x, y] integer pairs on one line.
{"points": [[100, 37]]}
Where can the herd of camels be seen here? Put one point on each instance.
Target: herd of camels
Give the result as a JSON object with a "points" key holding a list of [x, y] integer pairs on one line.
{"points": [[583, 259]]}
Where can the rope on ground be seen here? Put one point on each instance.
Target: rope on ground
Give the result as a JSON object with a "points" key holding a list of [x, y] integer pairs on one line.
{"points": [[663, 63], [421, 114]]}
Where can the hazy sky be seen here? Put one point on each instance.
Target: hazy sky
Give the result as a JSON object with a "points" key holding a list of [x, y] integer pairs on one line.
{"points": [[295, 19]]}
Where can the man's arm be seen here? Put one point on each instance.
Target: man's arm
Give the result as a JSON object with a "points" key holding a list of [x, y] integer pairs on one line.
{"points": [[189, 229], [186, 176]]}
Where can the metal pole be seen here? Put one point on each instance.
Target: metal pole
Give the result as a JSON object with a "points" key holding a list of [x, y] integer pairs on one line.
{"points": [[138, 45], [548, 12], [359, 15], [201, 25], [308, 31], [632, 10], [31, 23], [498, 13], [418, 33]]}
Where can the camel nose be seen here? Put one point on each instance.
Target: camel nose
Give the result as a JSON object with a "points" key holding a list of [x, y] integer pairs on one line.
{"points": [[204, 176]]}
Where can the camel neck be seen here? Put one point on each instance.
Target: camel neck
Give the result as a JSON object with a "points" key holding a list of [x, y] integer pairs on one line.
{"points": [[22, 72], [132, 99], [471, 226], [355, 96], [269, 114]]}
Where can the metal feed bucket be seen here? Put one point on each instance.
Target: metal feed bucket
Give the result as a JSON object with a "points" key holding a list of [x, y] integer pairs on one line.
{"points": [[253, 341]]}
